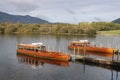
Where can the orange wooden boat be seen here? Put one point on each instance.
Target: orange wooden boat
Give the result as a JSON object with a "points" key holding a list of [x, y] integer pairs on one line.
{"points": [[81, 52], [39, 50], [39, 61], [85, 45]]}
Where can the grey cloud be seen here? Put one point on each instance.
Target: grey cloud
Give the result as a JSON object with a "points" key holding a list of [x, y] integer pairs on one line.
{"points": [[64, 10], [6, 7], [97, 18], [71, 11], [84, 13], [25, 7]]}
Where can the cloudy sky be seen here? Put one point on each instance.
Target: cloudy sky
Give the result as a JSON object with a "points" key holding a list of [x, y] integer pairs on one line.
{"points": [[68, 11]]}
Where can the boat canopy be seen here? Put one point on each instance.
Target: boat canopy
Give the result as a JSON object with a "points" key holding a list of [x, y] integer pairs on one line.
{"points": [[83, 40], [80, 42], [36, 44], [32, 45]]}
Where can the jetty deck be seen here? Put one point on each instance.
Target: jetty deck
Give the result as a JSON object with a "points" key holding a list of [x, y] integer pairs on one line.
{"points": [[112, 63], [95, 60]]}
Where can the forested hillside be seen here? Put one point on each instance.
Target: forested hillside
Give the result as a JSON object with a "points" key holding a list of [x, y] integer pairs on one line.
{"points": [[83, 28]]}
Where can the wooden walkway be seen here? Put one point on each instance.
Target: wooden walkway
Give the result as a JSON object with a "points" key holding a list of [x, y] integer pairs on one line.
{"points": [[115, 64]]}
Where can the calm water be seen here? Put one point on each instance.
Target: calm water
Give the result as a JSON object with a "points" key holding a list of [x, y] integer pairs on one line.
{"points": [[16, 68]]}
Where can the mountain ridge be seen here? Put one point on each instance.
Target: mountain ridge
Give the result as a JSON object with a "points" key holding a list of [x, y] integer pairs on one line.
{"points": [[116, 20], [6, 17]]}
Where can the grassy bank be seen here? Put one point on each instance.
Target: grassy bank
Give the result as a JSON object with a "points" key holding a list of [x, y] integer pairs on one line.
{"points": [[111, 32]]}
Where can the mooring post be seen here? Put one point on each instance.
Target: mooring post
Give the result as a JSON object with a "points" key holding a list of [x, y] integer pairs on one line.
{"points": [[27, 60], [84, 58], [116, 75], [78, 51], [74, 53], [118, 55], [84, 52], [113, 56], [111, 74], [30, 61], [48, 47], [22, 59]]}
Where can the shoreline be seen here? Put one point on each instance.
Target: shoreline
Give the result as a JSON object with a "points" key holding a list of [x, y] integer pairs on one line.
{"points": [[111, 32]]}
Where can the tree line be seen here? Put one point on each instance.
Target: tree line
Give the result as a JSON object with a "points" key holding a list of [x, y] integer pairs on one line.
{"points": [[83, 28]]}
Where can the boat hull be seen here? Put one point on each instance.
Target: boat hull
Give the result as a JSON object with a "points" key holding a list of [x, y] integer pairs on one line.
{"points": [[93, 49], [33, 60], [45, 55]]}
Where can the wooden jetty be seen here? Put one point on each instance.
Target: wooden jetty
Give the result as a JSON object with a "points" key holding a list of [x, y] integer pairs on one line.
{"points": [[95, 60], [114, 64]]}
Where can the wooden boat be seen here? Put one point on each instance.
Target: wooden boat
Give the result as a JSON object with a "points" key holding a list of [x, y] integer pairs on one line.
{"points": [[91, 53], [39, 50], [40, 61], [85, 45]]}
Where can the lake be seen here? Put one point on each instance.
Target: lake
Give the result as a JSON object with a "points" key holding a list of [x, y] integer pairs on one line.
{"points": [[16, 67]]}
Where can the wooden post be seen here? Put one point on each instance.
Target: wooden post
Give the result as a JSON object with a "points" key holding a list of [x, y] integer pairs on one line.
{"points": [[48, 47], [30, 61], [113, 56], [116, 75], [111, 74], [21, 59], [78, 51], [118, 55], [27, 60], [24, 60], [84, 59], [34, 62], [74, 53], [84, 52]]}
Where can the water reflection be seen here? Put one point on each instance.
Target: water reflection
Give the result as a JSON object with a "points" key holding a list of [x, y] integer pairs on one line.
{"points": [[38, 62], [114, 75], [18, 68], [114, 71]]}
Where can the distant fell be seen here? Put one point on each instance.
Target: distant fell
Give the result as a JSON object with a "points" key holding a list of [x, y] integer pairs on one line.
{"points": [[117, 21], [5, 17]]}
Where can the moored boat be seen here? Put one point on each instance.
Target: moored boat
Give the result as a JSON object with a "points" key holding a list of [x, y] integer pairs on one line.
{"points": [[40, 61], [85, 45], [38, 50]]}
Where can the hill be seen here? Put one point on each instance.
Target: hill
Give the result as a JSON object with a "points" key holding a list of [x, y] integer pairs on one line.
{"points": [[117, 21], [5, 17]]}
